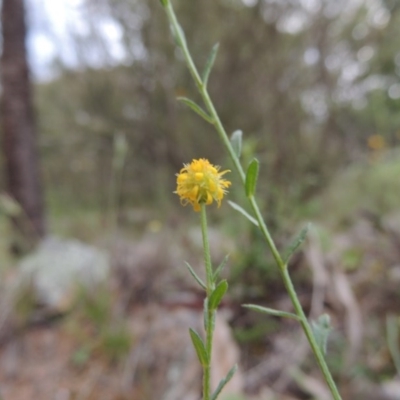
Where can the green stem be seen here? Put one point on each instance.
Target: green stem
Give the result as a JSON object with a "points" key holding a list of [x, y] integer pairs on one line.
{"points": [[209, 342], [206, 248], [309, 334], [210, 286], [253, 203], [295, 301]]}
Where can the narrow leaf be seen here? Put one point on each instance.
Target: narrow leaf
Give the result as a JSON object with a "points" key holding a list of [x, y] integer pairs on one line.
{"points": [[182, 34], [199, 347], [243, 212], [177, 33], [251, 177], [195, 276], [271, 311], [236, 142], [164, 3], [221, 266], [196, 108], [321, 329], [223, 382], [217, 295], [212, 321], [210, 63], [297, 242]]}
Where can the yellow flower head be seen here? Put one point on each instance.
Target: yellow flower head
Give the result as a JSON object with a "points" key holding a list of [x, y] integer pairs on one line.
{"points": [[200, 183]]}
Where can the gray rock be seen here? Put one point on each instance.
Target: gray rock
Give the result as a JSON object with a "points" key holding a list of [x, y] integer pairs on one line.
{"points": [[58, 267]]}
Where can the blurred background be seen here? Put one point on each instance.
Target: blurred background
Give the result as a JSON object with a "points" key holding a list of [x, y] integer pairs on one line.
{"points": [[95, 301]]}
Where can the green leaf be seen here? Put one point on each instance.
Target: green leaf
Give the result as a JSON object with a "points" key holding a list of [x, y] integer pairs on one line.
{"points": [[164, 3], [243, 212], [271, 311], [212, 321], [321, 329], [210, 63], [251, 177], [223, 382], [221, 266], [199, 347], [179, 35], [196, 108], [182, 35], [195, 276], [217, 295], [297, 242], [236, 142]]}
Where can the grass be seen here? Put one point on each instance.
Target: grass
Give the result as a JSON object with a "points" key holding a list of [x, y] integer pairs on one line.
{"points": [[97, 329]]}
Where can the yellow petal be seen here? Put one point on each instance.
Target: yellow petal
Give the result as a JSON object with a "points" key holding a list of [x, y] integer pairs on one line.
{"points": [[194, 192], [182, 178], [199, 176]]}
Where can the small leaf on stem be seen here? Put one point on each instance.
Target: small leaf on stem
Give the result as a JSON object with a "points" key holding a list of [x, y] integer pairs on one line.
{"points": [[223, 382], [199, 347], [217, 295], [210, 63], [178, 34], [243, 212], [251, 177], [236, 142], [296, 243], [271, 311], [221, 266], [196, 108], [321, 329], [195, 276]]}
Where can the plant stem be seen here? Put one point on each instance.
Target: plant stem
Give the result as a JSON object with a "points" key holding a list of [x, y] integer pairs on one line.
{"points": [[309, 334], [210, 314], [253, 203], [206, 249], [207, 368]]}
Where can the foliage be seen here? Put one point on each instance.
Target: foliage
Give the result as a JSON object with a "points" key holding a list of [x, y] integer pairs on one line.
{"points": [[304, 111], [99, 330], [372, 189], [307, 85], [249, 181]]}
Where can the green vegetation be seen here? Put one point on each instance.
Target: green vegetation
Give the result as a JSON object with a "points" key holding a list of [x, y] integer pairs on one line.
{"points": [[315, 94], [371, 187], [99, 331], [283, 94]]}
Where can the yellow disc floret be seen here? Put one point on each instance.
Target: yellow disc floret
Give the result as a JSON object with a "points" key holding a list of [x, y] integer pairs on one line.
{"points": [[200, 183]]}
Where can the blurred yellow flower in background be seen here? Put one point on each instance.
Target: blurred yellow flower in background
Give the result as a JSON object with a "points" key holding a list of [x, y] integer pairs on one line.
{"points": [[376, 142], [200, 182]]}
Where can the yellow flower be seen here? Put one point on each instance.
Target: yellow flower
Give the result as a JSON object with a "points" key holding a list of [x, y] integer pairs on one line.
{"points": [[200, 182]]}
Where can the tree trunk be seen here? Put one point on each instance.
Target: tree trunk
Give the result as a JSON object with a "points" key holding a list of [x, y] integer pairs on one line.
{"points": [[18, 124]]}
